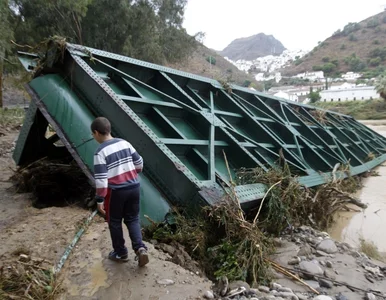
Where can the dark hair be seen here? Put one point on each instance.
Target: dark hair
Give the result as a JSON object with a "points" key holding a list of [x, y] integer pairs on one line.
{"points": [[102, 125]]}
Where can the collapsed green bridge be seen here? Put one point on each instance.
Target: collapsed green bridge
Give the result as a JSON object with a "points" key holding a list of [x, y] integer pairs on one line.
{"points": [[182, 124]]}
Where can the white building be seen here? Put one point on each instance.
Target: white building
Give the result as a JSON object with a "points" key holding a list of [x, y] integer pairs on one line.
{"points": [[287, 96], [312, 76], [261, 77], [269, 63], [351, 76], [349, 92]]}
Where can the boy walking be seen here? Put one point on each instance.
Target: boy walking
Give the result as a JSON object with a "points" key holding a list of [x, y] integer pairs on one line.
{"points": [[116, 168]]}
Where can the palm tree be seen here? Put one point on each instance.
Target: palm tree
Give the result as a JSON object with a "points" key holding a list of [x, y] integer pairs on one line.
{"points": [[381, 87]]}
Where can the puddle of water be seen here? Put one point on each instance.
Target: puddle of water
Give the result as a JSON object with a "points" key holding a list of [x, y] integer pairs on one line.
{"points": [[91, 279], [98, 277], [369, 224]]}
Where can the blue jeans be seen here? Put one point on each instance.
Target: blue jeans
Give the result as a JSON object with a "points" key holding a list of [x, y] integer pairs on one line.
{"points": [[124, 204]]}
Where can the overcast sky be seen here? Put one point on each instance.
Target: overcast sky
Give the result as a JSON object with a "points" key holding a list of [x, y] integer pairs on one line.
{"points": [[298, 24]]}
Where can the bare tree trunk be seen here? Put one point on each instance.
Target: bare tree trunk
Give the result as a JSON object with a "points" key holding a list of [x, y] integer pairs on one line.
{"points": [[1, 76]]}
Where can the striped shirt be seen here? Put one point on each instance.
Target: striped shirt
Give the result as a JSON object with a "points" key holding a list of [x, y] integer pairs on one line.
{"points": [[116, 166]]}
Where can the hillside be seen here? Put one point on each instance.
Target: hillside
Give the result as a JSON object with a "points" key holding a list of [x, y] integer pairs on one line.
{"points": [[358, 47], [252, 47], [219, 69], [360, 110]]}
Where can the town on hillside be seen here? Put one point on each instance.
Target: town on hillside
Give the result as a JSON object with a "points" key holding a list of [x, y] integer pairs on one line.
{"points": [[349, 86]]}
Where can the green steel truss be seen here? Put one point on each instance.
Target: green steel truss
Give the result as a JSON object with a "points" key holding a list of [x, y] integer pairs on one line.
{"points": [[182, 124]]}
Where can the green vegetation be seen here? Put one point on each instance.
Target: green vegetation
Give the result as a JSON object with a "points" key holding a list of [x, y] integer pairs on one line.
{"points": [[381, 86], [370, 249], [347, 30], [211, 60], [298, 61], [327, 68], [360, 109], [352, 38], [148, 29], [378, 53], [372, 23], [314, 96], [11, 117], [355, 63]]}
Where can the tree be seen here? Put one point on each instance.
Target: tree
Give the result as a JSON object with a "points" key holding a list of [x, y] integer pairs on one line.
{"points": [[314, 96], [150, 30], [381, 86], [6, 34], [40, 19]]}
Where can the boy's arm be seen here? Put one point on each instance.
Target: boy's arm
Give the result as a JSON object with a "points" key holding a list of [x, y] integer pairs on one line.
{"points": [[100, 175], [137, 161]]}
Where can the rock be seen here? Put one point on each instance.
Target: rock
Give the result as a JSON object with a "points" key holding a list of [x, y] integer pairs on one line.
{"points": [[322, 263], [311, 268], [275, 286], [355, 254], [294, 261], [223, 285], [347, 245], [24, 258], [322, 297], [305, 228], [327, 246], [340, 296], [288, 295], [278, 242], [301, 296], [321, 253], [237, 284], [253, 298], [323, 234], [286, 290], [263, 289], [329, 274], [305, 250], [165, 282], [374, 271], [243, 298], [208, 295], [328, 264], [254, 291], [325, 283], [167, 248], [314, 284], [370, 296]]}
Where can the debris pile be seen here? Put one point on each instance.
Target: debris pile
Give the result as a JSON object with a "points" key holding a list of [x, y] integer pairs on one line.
{"points": [[55, 183], [308, 264], [28, 278], [233, 246], [287, 203]]}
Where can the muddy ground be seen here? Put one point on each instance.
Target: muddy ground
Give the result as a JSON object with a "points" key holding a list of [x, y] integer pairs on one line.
{"points": [[45, 233]]}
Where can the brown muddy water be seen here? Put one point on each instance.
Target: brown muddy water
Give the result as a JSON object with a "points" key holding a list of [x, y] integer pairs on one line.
{"points": [[369, 224]]}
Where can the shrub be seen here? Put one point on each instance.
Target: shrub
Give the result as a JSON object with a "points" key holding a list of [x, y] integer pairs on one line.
{"points": [[211, 60]]}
